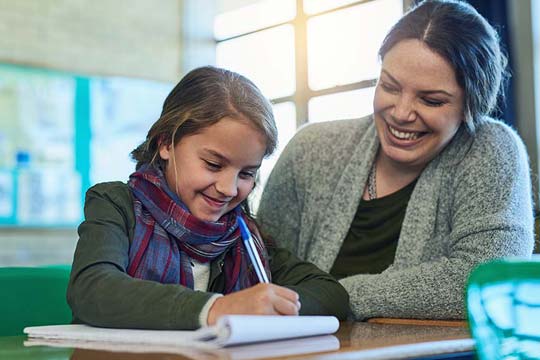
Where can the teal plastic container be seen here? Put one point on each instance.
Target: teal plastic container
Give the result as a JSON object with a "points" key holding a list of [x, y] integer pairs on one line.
{"points": [[503, 305]]}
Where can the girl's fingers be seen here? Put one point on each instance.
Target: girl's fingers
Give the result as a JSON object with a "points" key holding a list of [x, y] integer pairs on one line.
{"points": [[283, 306], [288, 294]]}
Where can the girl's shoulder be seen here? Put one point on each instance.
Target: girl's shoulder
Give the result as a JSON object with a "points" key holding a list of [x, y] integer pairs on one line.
{"points": [[110, 188], [115, 192], [111, 203]]}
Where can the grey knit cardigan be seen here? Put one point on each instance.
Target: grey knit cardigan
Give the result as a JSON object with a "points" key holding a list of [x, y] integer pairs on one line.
{"points": [[472, 203]]}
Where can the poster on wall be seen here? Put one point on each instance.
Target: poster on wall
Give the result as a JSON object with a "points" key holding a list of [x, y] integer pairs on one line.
{"points": [[122, 112], [36, 117], [37, 148], [7, 194], [42, 112]]}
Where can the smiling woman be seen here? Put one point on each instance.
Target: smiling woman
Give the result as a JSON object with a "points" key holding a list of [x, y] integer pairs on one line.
{"points": [[418, 108], [402, 204]]}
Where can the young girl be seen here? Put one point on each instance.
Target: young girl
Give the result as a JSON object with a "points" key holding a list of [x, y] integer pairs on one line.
{"points": [[164, 250]]}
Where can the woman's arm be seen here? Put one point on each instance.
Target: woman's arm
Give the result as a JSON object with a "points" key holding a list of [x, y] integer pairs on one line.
{"points": [[278, 215], [490, 217], [319, 292]]}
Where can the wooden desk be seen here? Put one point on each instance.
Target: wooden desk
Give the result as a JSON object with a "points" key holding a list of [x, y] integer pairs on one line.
{"points": [[396, 321], [354, 340]]}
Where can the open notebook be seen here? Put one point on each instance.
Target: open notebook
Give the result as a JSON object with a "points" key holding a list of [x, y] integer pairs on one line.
{"points": [[230, 330]]}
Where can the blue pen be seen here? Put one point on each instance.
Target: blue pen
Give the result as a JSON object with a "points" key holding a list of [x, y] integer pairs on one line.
{"points": [[252, 251]]}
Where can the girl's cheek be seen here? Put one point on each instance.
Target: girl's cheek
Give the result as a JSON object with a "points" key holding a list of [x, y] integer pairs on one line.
{"points": [[247, 188]]}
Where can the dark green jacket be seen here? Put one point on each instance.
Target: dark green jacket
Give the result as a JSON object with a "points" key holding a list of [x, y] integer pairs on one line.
{"points": [[101, 293]]}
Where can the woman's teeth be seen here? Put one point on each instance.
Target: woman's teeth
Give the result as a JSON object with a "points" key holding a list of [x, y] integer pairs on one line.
{"points": [[404, 135]]}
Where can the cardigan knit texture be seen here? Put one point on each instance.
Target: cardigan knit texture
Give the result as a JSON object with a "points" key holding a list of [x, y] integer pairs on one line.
{"points": [[472, 203]]}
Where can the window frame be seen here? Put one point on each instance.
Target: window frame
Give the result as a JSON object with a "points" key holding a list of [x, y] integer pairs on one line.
{"points": [[303, 93]]}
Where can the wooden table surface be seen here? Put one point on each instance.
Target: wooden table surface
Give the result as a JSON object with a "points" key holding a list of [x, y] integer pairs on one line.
{"points": [[351, 342]]}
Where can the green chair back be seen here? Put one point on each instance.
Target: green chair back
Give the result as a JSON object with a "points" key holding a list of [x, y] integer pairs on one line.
{"points": [[33, 296], [503, 305]]}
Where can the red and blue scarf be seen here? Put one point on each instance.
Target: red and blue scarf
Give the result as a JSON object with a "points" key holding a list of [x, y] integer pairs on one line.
{"points": [[167, 236]]}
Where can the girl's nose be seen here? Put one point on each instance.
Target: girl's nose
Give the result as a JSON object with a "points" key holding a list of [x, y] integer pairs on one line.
{"points": [[227, 185]]}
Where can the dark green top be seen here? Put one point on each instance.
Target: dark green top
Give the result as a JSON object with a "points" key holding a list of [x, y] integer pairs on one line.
{"points": [[101, 293], [370, 244]]}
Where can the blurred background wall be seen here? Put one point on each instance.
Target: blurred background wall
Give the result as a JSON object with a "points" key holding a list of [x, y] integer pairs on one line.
{"points": [[81, 82], [140, 38]]}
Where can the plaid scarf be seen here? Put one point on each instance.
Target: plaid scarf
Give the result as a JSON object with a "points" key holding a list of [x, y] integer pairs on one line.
{"points": [[167, 236]]}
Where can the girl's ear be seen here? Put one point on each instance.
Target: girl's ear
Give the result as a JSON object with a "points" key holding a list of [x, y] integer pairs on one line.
{"points": [[165, 151]]}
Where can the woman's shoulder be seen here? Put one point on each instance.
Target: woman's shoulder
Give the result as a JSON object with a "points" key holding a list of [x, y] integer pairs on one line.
{"points": [[495, 138], [493, 146], [493, 128]]}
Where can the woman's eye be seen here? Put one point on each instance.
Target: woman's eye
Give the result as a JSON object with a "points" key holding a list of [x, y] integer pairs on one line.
{"points": [[388, 88], [433, 102]]}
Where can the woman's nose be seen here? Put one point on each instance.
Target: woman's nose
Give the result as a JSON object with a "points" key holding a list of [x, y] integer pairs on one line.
{"points": [[227, 185], [404, 109]]}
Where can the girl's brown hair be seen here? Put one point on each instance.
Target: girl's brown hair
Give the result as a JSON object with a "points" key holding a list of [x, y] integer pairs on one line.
{"points": [[202, 98]]}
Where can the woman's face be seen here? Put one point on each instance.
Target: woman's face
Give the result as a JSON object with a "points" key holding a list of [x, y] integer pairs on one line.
{"points": [[214, 170], [418, 105]]}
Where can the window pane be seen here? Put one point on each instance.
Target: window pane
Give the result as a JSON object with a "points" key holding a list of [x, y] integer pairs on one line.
{"points": [[285, 115], [343, 45], [316, 6], [266, 58], [344, 105], [260, 15]]}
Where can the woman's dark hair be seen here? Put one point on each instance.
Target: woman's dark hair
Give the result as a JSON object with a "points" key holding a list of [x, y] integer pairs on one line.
{"points": [[458, 33], [202, 98]]}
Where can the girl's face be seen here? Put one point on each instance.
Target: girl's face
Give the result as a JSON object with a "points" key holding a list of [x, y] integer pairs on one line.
{"points": [[214, 170], [418, 105]]}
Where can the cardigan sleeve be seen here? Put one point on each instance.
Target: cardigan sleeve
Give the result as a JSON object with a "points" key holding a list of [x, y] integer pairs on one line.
{"points": [[490, 217], [319, 292], [101, 293], [278, 215]]}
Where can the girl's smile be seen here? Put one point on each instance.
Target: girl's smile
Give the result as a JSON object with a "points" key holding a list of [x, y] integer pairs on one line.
{"points": [[214, 202]]}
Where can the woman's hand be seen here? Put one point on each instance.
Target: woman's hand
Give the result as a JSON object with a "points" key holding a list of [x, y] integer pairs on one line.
{"points": [[261, 299]]}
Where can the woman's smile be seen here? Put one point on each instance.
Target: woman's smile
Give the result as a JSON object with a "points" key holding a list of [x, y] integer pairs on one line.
{"points": [[404, 138]]}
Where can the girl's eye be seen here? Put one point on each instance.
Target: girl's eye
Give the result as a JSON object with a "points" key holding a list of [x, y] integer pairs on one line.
{"points": [[433, 102], [212, 166], [248, 174]]}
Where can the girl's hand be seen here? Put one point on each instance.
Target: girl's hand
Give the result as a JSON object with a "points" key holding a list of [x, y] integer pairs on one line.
{"points": [[261, 299]]}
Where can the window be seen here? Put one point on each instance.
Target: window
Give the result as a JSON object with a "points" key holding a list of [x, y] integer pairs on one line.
{"points": [[315, 59]]}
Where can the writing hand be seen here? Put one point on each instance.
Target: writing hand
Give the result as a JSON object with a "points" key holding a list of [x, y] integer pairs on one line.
{"points": [[261, 299]]}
